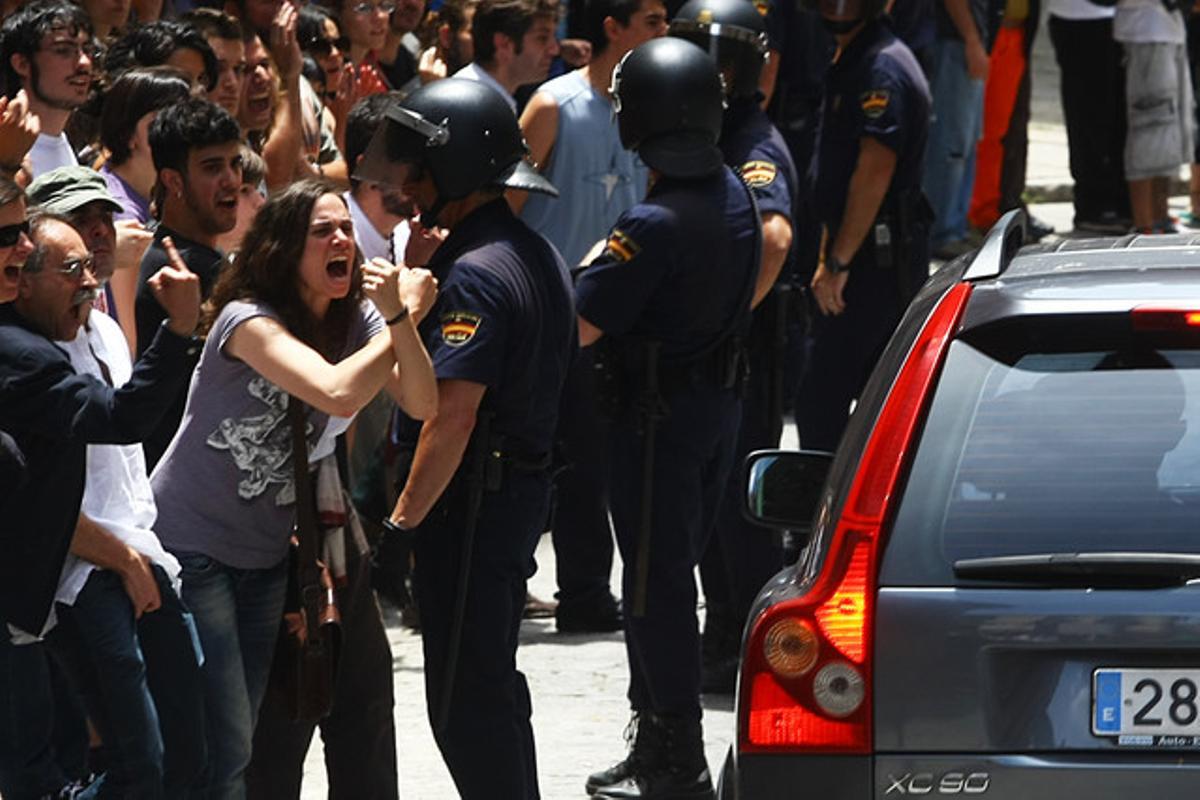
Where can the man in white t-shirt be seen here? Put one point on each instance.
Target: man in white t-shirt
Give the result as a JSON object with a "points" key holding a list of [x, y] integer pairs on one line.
{"points": [[1158, 106], [46, 49], [514, 43]]}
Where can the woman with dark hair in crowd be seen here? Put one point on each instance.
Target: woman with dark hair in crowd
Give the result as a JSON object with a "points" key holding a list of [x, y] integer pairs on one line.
{"points": [[168, 42], [130, 105], [286, 320]]}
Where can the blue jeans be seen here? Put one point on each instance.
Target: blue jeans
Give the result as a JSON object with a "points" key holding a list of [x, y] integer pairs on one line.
{"points": [[43, 736], [237, 613], [957, 125], [140, 680]]}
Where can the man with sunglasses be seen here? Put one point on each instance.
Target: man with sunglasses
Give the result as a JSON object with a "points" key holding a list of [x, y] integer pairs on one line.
{"points": [[47, 50], [53, 412], [197, 153]]}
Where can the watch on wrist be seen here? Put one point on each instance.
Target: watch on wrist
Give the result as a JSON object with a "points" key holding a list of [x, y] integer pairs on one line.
{"points": [[835, 266], [392, 527]]}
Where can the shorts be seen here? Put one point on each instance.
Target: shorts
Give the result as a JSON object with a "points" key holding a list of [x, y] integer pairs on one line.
{"points": [[1159, 110]]}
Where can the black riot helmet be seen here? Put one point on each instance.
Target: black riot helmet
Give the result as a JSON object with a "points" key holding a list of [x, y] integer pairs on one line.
{"points": [[734, 33], [463, 132], [842, 16], [669, 102]]}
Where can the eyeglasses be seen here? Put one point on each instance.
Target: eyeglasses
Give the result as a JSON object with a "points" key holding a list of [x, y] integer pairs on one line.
{"points": [[75, 267], [323, 230], [11, 234], [322, 47], [368, 8]]}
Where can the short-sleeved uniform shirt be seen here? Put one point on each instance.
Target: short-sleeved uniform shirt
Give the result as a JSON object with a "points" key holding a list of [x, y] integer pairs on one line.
{"points": [[504, 319], [676, 265], [875, 89], [754, 148]]}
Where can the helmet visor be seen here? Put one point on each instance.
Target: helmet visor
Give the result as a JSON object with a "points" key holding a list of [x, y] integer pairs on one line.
{"points": [[398, 148]]}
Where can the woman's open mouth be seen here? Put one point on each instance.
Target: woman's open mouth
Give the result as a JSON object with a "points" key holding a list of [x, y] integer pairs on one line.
{"points": [[12, 272], [339, 269]]}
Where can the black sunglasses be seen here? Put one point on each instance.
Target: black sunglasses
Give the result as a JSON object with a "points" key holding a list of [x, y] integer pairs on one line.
{"points": [[322, 47], [11, 234]]}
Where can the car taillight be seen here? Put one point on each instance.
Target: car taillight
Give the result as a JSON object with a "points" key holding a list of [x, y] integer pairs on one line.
{"points": [[806, 680], [1154, 319]]}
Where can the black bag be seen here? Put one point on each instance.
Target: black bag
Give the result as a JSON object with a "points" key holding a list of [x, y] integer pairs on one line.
{"points": [[309, 643]]}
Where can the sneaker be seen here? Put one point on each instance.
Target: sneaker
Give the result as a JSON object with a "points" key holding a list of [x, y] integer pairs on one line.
{"points": [[601, 616], [536, 608], [1109, 223], [1037, 229]]}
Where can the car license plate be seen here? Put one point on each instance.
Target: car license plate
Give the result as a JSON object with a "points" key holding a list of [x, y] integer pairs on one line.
{"points": [[1147, 706]]}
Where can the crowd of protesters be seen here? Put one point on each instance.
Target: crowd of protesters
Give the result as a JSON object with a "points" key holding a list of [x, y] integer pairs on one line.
{"points": [[185, 244]]}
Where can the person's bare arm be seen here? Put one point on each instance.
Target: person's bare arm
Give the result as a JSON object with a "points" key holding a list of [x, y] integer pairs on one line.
{"points": [[396, 291], [440, 449], [284, 147], [776, 243], [977, 57], [94, 544], [868, 186], [539, 124]]}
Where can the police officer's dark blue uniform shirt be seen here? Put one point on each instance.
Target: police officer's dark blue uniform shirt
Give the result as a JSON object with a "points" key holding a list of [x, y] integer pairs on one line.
{"points": [[498, 325], [664, 273], [876, 89]]}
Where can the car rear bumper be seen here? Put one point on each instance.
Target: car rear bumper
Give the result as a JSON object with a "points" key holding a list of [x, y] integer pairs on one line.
{"points": [[1160, 775]]}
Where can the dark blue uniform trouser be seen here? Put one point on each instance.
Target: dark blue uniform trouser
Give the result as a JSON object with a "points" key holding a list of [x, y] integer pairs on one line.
{"points": [[488, 741], [748, 554], [693, 449], [845, 348], [583, 539]]}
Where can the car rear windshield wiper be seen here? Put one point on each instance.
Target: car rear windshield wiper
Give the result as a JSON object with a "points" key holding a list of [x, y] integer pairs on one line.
{"points": [[1107, 569]]}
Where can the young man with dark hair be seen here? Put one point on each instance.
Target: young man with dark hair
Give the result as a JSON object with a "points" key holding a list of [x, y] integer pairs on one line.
{"points": [[164, 42], [224, 35], [47, 49], [576, 110], [197, 155], [514, 44]]}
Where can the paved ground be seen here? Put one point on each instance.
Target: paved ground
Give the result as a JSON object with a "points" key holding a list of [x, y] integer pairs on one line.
{"points": [[578, 682]]}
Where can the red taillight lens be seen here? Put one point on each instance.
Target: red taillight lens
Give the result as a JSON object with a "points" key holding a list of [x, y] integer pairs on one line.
{"points": [[828, 707], [1151, 319]]}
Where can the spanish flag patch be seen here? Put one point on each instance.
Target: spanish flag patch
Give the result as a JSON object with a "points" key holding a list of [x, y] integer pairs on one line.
{"points": [[622, 246], [758, 173], [874, 103], [459, 327]]}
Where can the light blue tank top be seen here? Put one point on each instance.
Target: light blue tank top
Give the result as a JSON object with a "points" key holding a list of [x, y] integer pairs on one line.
{"points": [[597, 179]]}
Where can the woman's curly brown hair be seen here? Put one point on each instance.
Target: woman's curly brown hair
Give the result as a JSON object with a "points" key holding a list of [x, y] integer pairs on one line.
{"points": [[266, 270]]}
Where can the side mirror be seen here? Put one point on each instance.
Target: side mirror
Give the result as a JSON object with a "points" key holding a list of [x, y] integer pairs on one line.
{"points": [[783, 488]]}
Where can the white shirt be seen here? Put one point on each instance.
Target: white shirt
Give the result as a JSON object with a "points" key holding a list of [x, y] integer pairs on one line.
{"points": [[117, 494], [474, 72], [370, 242], [51, 152], [1145, 21]]}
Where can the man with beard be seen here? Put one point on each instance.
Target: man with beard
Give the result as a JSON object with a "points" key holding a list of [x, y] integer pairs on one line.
{"points": [[197, 154], [46, 49], [514, 44]]}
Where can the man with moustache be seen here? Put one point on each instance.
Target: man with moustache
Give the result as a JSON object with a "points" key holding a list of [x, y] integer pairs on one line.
{"points": [[53, 413], [46, 49], [197, 154], [514, 44]]}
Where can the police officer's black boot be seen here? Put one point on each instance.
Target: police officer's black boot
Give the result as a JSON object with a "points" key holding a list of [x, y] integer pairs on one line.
{"points": [[642, 742], [670, 765]]}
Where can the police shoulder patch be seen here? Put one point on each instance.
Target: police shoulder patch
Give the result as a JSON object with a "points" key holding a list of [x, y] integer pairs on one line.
{"points": [[759, 173], [874, 102], [622, 246], [762, 6], [459, 327]]}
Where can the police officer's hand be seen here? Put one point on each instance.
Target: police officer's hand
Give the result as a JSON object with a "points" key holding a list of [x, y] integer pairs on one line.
{"points": [[827, 290], [418, 288], [422, 243]]}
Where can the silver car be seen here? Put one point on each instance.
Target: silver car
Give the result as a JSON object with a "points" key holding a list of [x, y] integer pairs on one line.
{"points": [[1000, 596]]}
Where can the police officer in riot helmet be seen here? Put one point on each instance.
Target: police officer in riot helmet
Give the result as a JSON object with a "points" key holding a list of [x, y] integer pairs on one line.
{"points": [[668, 304], [739, 560], [476, 497], [875, 220]]}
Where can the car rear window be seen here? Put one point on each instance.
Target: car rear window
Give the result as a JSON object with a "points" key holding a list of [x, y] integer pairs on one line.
{"points": [[1054, 452]]}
